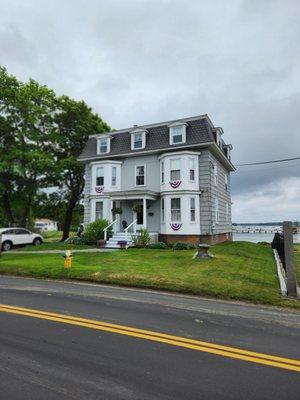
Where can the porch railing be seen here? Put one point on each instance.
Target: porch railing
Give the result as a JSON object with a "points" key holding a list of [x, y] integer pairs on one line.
{"points": [[133, 224], [106, 229]]}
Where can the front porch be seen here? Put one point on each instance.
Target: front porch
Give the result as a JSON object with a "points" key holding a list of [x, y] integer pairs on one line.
{"points": [[140, 210]]}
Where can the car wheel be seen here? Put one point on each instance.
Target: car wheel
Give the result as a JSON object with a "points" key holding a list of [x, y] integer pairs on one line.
{"points": [[6, 246], [37, 242]]}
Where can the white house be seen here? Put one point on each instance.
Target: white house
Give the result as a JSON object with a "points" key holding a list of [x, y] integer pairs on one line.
{"points": [[172, 178], [45, 225]]}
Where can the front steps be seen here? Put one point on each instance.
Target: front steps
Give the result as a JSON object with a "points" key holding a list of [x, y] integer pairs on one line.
{"points": [[112, 243]]}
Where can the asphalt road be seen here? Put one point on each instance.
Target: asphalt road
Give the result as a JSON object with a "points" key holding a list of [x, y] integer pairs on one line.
{"points": [[46, 359]]}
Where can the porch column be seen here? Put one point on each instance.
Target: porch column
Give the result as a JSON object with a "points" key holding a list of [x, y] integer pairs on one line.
{"points": [[145, 212]]}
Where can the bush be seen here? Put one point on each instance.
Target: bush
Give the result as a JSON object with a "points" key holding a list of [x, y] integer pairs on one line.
{"points": [[184, 246], [94, 231], [158, 245], [141, 240]]}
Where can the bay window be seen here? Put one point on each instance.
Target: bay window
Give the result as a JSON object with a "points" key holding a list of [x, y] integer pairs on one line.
{"points": [[163, 210], [175, 169], [192, 169], [162, 172], [113, 176], [192, 209], [100, 176], [175, 209], [99, 210]]}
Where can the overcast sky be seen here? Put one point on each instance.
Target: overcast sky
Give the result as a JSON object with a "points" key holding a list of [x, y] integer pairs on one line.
{"points": [[144, 61]]}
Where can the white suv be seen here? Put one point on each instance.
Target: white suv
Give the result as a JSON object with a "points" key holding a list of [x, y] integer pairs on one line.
{"points": [[18, 236]]}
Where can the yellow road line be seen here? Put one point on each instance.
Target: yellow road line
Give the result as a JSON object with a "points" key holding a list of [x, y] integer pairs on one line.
{"points": [[225, 351]]}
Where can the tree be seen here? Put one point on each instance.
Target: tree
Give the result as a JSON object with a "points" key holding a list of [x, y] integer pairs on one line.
{"points": [[26, 111], [74, 122]]}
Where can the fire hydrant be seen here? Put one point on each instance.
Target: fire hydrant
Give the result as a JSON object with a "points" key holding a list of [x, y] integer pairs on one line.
{"points": [[68, 259]]}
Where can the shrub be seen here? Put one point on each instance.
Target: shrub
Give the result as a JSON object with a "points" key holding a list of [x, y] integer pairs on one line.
{"points": [[158, 245], [94, 231], [141, 240], [183, 246]]}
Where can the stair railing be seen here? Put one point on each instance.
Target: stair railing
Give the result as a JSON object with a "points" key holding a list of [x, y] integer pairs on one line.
{"points": [[133, 224], [108, 226]]}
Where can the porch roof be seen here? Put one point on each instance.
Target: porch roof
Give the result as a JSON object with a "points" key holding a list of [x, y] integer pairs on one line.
{"points": [[134, 195]]}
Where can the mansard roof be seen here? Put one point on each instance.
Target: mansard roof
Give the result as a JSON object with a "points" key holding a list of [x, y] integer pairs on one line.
{"points": [[199, 131]]}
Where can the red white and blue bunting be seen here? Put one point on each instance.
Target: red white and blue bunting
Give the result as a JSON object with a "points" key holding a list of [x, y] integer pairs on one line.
{"points": [[99, 189], [175, 226], [175, 184]]}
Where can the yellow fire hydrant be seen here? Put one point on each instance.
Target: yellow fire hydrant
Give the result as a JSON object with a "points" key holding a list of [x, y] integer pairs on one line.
{"points": [[68, 259]]}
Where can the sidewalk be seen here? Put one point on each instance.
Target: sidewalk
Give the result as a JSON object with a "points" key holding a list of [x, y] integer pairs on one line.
{"points": [[58, 251]]}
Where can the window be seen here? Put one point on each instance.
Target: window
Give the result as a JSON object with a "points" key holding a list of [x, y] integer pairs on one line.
{"points": [[99, 210], [140, 175], [226, 182], [192, 209], [215, 174], [175, 209], [138, 141], [192, 168], [163, 210], [100, 176], [102, 145], [177, 135], [162, 172], [216, 210], [175, 169], [113, 176]]}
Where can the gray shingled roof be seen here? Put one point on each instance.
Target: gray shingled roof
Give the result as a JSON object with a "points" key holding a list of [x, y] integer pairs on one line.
{"points": [[198, 131]]}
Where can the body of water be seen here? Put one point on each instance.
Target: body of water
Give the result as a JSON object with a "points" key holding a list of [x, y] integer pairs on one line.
{"points": [[259, 237]]}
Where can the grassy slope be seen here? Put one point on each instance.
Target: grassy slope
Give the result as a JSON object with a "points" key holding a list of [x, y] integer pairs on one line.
{"points": [[240, 270]]}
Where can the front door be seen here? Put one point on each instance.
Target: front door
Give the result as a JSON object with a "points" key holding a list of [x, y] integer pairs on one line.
{"points": [[139, 216]]}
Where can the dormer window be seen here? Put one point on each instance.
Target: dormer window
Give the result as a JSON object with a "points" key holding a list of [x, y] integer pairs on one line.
{"points": [[138, 140], [103, 144], [177, 133]]}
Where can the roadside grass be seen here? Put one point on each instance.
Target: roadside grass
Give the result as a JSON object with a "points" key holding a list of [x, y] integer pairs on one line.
{"points": [[52, 236], [239, 271]]}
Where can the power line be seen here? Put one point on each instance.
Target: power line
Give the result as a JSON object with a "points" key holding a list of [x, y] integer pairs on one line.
{"points": [[269, 162]]}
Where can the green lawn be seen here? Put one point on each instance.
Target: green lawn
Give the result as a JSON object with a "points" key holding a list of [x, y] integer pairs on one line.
{"points": [[240, 270], [53, 246]]}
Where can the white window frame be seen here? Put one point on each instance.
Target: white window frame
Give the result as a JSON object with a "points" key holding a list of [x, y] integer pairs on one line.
{"points": [[192, 162], [107, 139], [113, 182], [103, 169], [180, 165], [135, 174], [215, 174], [101, 211], [193, 209], [226, 182], [163, 210], [143, 133], [162, 172], [183, 134], [180, 209]]}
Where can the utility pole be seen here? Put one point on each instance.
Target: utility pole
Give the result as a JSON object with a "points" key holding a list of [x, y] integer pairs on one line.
{"points": [[289, 259]]}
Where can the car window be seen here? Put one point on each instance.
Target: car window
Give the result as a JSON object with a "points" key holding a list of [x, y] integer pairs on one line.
{"points": [[9, 232], [22, 232]]}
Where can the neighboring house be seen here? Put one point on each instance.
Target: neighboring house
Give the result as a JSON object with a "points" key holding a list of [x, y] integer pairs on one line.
{"points": [[172, 178], [44, 225]]}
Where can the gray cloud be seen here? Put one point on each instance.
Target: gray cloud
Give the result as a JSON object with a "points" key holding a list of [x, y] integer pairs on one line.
{"points": [[140, 61]]}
